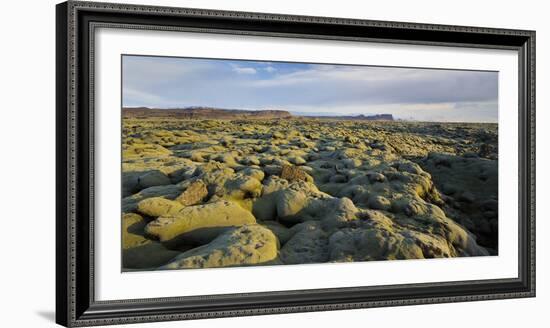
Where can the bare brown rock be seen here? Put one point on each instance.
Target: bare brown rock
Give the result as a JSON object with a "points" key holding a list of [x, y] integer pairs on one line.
{"points": [[194, 194], [292, 173]]}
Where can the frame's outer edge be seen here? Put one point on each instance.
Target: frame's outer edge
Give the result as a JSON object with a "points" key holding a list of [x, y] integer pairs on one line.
{"points": [[77, 219], [531, 206], [63, 294], [190, 12], [526, 167], [72, 304]]}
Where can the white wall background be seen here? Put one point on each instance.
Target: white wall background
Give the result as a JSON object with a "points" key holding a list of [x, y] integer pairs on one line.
{"points": [[27, 162]]}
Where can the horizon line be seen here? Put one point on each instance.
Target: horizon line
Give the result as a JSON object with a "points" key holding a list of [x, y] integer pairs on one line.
{"points": [[313, 114]]}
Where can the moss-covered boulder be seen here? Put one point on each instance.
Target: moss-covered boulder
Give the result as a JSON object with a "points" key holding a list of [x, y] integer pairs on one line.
{"points": [[309, 244], [143, 150], [139, 252], [246, 245], [243, 186], [199, 223], [133, 226], [130, 203], [150, 255], [159, 206]]}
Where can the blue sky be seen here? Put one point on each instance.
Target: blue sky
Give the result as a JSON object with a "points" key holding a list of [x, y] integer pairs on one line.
{"points": [[407, 93]]}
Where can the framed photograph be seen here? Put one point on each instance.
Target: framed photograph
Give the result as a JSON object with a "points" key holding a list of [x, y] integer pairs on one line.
{"points": [[215, 163]]}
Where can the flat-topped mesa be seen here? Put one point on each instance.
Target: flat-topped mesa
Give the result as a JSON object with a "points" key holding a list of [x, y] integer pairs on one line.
{"points": [[202, 113], [377, 117]]}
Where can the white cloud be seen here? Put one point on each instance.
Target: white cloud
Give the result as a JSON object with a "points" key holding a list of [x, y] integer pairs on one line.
{"points": [[243, 70], [332, 84], [270, 69], [339, 73]]}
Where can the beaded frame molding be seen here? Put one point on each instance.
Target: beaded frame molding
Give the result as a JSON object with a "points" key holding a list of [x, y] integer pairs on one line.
{"points": [[75, 30]]}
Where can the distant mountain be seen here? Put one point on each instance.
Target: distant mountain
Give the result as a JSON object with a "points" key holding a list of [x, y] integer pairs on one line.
{"points": [[203, 112], [232, 114], [377, 117]]}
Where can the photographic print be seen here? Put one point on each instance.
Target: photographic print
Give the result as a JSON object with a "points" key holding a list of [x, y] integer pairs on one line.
{"points": [[229, 163]]}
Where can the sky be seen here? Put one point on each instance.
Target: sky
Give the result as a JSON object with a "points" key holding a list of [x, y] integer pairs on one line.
{"points": [[311, 89]]}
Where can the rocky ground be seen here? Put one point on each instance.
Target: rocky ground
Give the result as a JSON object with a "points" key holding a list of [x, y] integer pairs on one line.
{"points": [[213, 193]]}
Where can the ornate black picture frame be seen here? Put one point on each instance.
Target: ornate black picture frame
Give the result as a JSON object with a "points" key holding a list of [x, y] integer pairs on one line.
{"points": [[75, 301]]}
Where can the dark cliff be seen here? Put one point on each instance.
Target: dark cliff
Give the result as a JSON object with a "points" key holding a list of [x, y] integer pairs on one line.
{"points": [[203, 113]]}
